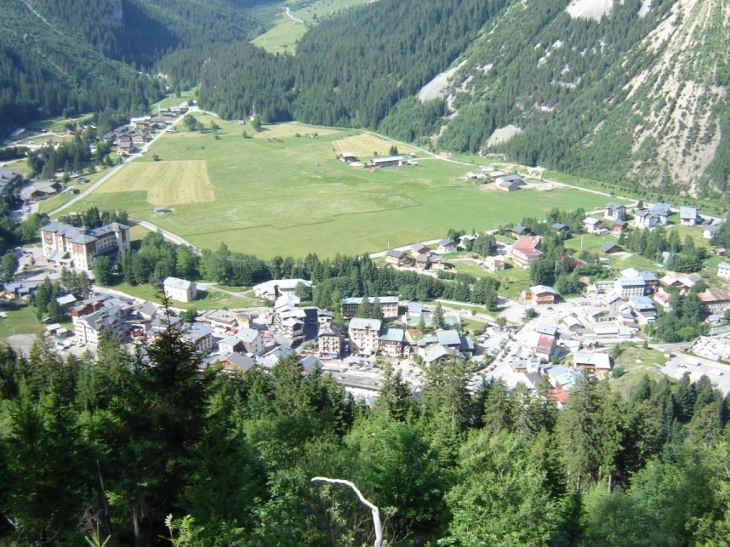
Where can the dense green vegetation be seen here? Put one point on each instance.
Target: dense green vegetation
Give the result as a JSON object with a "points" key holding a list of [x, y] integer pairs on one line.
{"points": [[137, 438]]}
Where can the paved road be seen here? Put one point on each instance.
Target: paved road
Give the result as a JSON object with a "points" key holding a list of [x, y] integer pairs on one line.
{"points": [[113, 172], [167, 235]]}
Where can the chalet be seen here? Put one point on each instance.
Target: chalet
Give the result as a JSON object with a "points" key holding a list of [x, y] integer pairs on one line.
{"points": [[619, 226], [199, 335], [124, 145], [395, 258], [539, 295], [494, 263], [423, 261], [236, 362], [688, 216], [388, 306], [330, 342], [645, 219], [219, 319], [710, 230], [181, 290], [523, 360], [348, 157], [541, 344], [662, 211], [561, 377], [525, 251], [714, 301], [324, 317], [671, 281], [390, 161], [615, 211], [609, 248], [437, 352], [438, 262], [593, 225], [663, 298], [723, 270], [719, 251], [20, 290], [419, 249], [253, 340], [559, 228], [466, 239], [518, 231], [141, 121], [364, 335], [598, 363], [447, 246], [40, 190]]}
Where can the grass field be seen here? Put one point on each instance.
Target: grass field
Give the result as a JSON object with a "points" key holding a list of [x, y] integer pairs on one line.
{"points": [[293, 196], [166, 182], [56, 201], [207, 300], [366, 145], [283, 36], [19, 320]]}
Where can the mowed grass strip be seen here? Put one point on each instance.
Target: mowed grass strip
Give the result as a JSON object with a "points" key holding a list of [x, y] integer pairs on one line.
{"points": [[166, 182], [366, 145]]}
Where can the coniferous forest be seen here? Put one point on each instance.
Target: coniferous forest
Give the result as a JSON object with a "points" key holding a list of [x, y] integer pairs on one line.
{"points": [[150, 449]]}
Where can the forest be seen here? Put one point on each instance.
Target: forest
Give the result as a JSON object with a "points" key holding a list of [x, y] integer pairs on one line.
{"points": [[151, 448]]}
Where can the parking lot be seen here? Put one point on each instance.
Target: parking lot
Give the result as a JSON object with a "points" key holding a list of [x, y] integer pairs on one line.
{"points": [[696, 367]]}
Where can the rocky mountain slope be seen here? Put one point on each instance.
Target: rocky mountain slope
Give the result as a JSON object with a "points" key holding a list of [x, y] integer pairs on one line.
{"points": [[632, 91]]}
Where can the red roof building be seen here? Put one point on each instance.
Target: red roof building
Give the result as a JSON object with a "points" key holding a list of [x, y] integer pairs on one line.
{"points": [[526, 250]]}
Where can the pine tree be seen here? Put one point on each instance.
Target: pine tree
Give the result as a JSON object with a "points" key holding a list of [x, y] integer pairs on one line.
{"points": [[437, 319]]}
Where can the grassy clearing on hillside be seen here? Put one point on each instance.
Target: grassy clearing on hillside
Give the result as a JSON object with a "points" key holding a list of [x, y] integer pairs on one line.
{"points": [[637, 362], [282, 38], [20, 319], [166, 182], [294, 197]]}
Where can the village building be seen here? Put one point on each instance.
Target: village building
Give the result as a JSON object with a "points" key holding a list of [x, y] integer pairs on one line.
{"points": [[597, 363], [723, 271], [662, 211], [540, 295], [348, 157], [419, 249], [254, 341], [436, 353], [645, 219], [526, 250], [609, 248], [447, 246], [229, 345], [714, 301], [518, 231], [688, 216], [392, 342], [199, 335], [710, 230], [395, 258], [78, 248], [643, 308], [364, 335], [494, 263], [276, 287], [388, 306], [390, 161], [593, 225], [330, 342], [618, 227], [178, 289], [9, 179], [89, 329], [40, 190], [627, 287], [559, 228], [615, 211], [236, 362]]}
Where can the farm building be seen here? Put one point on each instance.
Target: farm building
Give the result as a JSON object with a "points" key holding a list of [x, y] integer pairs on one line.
{"points": [[390, 161]]}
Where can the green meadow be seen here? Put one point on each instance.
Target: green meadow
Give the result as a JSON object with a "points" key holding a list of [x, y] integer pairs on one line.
{"points": [[292, 196]]}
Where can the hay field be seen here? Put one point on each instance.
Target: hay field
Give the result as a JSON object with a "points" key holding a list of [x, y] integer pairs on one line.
{"points": [[365, 145], [288, 130], [166, 182]]}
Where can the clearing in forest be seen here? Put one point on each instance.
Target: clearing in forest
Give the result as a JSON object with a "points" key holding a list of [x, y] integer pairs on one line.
{"points": [[166, 182]]}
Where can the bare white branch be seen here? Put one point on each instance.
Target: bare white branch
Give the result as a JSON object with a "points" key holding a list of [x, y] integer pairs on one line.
{"points": [[376, 512]]}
